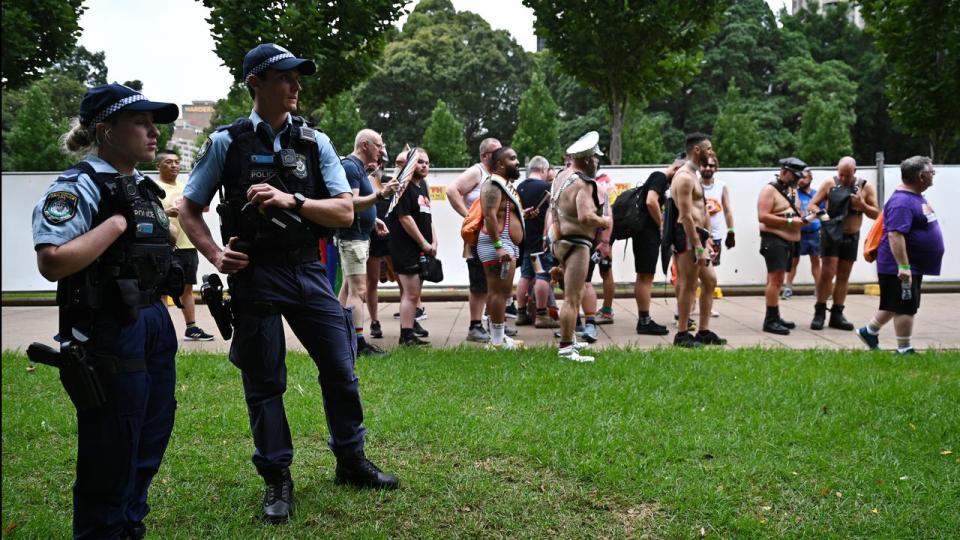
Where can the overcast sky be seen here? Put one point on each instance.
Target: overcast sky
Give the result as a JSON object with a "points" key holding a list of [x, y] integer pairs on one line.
{"points": [[177, 63]]}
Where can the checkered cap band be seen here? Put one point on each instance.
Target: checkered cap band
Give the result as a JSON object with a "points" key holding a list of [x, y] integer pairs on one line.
{"points": [[268, 62], [102, 115]]}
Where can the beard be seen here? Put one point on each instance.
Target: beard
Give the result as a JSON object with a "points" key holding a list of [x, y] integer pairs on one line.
{"points": [[512, 173], [706, 175]]}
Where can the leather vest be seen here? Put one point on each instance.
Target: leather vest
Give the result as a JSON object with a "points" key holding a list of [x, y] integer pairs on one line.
{"points": [[250, 160]]}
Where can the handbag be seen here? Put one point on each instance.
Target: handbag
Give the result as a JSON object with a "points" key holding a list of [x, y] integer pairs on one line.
{"points": [[431, 269]]}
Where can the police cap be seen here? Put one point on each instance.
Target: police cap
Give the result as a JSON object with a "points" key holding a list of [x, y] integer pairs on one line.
{"points": [[793, 164], [586, 146], [271, 56], [100, 102]]}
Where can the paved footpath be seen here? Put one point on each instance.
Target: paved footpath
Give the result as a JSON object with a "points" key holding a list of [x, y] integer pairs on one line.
{"points": [[937, 325]]}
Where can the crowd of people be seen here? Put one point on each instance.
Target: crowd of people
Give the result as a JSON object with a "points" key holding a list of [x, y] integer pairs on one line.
{"points": [[116, 243]]}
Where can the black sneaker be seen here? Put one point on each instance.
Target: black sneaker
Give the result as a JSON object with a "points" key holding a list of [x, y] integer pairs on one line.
{"points": [[421, 314], [686, 340], [396, 315], [511, 311], [652, 329], [278, 497], [360, 472], [707, 337], [375, 331], [195, 333], [368, 349], [413, 341], [418, 330]]}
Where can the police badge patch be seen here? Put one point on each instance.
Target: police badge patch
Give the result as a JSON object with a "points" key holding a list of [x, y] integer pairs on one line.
{"points": [[161, 215], [301, 170], [59, 207], [203, 150]]}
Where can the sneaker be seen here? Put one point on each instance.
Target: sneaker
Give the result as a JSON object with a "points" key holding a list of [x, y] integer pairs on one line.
{"points": [[421, 314], [544, 321], [871, 341], [512, 310], [524, 318], [195, 333], [413, 341], [706, 337], [508, 343], [360, 472], [787, 292], [396, 315], [375, 331], [278, 497], [691, 324], [714, 313], [509, 331], [590, 333], [571, 353], [368, 349], [686, 340], [652, 329], [477, 334], [605, 317], [418, 330], [907, 351]]}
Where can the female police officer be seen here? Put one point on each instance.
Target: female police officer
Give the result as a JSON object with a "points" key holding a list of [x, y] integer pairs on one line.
{"points": [[101, 233]]}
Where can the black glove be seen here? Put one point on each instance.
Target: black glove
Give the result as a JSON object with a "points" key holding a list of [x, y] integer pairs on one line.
{"points": [[730, 240]]}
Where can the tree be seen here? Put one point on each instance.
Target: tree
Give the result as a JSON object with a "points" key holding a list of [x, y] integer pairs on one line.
{"points": [[824, 133], [736, 135], [87, 68], [643, 136], [36, 34], [340, 119], [443, 139], [645, 49], [62, 93], [455, 56], [920, 40], [34, 141], [537, 126], [345, 38], [237, 104], [136, 84]]}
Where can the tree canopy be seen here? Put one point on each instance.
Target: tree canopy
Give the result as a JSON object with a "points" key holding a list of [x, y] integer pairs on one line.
{"points": [[36, 34], [443, 139], [340, 120], [537, 127]]}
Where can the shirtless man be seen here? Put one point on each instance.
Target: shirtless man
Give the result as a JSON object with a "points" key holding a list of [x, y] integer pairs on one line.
{"points": [[498, 245], [848, 199], [692, 248], [576, 214], [462, 192], [780, 224]]}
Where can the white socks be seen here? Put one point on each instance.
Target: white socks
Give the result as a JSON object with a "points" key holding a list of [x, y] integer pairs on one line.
{"points": [[496, 333]]}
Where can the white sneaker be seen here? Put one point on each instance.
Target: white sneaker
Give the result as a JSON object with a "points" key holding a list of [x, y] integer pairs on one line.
{"points": [[581, 346], [714, 313], [570, 353], [508, 343]]}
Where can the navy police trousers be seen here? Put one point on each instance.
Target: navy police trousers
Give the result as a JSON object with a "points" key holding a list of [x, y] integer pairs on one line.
{"points": [[300, 293], [121, 444]]}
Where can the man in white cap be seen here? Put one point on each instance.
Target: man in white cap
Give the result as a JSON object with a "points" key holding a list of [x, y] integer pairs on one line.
{"points": [[576, 214]]}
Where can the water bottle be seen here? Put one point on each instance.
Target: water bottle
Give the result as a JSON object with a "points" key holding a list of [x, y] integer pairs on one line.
{"points": [[906, 290], [504, 270], [423, 265]]}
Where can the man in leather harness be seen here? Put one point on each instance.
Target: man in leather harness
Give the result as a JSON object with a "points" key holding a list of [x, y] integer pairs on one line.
{"points": [[848, 199], [575, 215], [282, 186]]}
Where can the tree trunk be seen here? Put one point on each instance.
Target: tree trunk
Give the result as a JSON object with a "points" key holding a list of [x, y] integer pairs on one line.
{"points": [[618, 109]]}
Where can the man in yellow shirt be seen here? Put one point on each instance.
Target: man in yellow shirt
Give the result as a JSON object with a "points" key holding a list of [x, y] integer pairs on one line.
{"points": [[168, 165]]}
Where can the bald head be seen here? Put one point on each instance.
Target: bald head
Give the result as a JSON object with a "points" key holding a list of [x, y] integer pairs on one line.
{"points": [[368, 146], [846, 169], [365, 135]]}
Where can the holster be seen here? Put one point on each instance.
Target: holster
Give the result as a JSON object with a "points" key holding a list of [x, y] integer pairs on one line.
{"points": [[212, 293], [77, 374]]}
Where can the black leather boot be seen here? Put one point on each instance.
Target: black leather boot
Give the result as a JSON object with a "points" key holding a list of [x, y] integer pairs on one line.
{"points": [[837, 320], [819, 316], [278, 496], [773, 323], [358, 471]]}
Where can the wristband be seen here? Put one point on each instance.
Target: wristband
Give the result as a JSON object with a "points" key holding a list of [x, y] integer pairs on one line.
{"points": [[426, 245], [699, 250], [903, 267], [498, 244], [730, 230]]}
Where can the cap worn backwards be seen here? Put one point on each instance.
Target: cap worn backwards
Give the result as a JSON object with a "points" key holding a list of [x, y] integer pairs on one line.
{"points": [[271, 56], [101, 102], [586, 146]]}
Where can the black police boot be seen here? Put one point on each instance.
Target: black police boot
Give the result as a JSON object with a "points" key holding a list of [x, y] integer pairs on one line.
{"points": [[837, 320], [358, 471], [819, 316], [278, 496], [772, 324], [135, 531], [790, 325]]}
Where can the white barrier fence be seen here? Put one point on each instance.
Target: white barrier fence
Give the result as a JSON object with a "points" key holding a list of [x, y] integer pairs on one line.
{"points": [[740, 266]]}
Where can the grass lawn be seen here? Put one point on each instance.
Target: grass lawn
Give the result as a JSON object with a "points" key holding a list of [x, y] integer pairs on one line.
{"points": [[663, 444]]}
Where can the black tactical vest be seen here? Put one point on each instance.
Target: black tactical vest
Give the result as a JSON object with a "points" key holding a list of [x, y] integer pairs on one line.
{"points": [[250, 160], [134, 270]]}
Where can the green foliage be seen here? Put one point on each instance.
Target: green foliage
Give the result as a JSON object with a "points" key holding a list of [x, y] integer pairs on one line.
{"points": [[83, 66], [537, 126], [645, 49], [345, 38], [340, 119], [237, 104], [920, 40], [455, 56], [643, 136], [443, 139], [736, 135], [36, 34], [33, 141], [824, 133], [136, 84]]}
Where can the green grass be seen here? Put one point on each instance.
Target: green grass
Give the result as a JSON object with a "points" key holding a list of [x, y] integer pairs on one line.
{"points": [[741, 444]]}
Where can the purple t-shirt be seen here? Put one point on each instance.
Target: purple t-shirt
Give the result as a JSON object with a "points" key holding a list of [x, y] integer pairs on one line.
{"points": [[910, 214]]}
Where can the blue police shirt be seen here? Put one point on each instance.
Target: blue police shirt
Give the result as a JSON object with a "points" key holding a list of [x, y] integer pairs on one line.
{"points": [[205, 177], [805, 198], [67, 208]]}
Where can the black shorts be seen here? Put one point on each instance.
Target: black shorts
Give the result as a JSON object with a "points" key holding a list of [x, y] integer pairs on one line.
{"points": [[891, 294], [478, 280], [646, 252], [188, 260], [379, 246], [777, 252], [845, 250], [680, 243]]}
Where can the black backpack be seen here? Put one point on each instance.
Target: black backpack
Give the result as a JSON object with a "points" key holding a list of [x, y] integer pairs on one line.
{"points": [[629, 213]]}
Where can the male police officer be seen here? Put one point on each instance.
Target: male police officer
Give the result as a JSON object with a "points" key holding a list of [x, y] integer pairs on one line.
{"points": [[281, 185]]}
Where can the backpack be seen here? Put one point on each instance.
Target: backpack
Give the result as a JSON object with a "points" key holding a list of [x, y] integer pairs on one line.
{"points": [[470, 230], [628, 213], [871, 245]]}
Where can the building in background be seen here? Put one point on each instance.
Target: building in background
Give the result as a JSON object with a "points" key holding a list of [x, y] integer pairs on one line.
{"points": [[823, 5], [194, 118]]}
